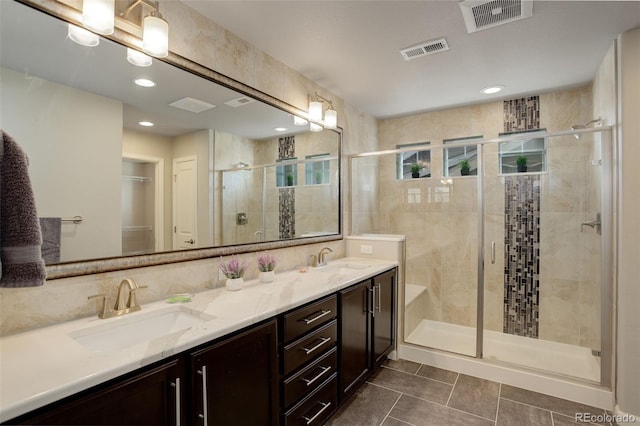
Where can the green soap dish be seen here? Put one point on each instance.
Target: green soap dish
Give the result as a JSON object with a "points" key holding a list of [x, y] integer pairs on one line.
{"points": [[179, 298]]}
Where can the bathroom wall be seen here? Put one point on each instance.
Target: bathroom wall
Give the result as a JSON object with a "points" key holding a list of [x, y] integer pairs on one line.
{"points": [[80, 145], [207, 43]]}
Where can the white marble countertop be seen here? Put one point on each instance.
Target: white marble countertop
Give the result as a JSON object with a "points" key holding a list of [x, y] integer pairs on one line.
{"points": [[44, 365]]}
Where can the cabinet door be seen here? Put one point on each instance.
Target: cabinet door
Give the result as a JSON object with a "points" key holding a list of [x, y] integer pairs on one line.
{"points": [[383, 316], [149, 398], [355, 329], [235, 381]]}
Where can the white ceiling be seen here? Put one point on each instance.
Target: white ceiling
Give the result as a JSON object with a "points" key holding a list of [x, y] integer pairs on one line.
{"points": [[352, 48]]}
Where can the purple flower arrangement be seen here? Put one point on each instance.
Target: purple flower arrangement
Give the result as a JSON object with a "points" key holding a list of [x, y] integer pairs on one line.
{"points": [[267, 262], [233, 268]]}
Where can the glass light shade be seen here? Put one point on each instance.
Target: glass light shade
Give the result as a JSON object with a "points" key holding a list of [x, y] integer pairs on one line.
{"points": [[137, 58], [315, 111], [82, 36], [315, 127], [99, 15], [330, 119], [299, 121], [155, 36]]}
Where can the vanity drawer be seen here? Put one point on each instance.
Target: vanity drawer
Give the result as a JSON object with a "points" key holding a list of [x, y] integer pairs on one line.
{"points": [[308, 379], [317, 407], [305, 319], [313, 344]]}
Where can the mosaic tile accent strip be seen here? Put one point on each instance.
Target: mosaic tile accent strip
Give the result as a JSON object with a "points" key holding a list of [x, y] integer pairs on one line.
{"points": [[287, 196], [522, 255], [522, 114]]}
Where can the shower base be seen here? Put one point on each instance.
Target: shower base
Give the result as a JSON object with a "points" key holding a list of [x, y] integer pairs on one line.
{"points": [[551, 357]]}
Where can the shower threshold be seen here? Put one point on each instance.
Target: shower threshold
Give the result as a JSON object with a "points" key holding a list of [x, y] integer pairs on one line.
{"points": [[551, 357]]}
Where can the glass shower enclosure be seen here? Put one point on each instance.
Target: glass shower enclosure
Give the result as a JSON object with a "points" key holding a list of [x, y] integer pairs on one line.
{"points": [[509, 262]]}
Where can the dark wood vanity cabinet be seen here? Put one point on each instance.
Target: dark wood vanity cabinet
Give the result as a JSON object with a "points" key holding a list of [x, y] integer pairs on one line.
{"points": [[293, 369], [235, 381], [309, 363], [153, 397], [367, 329]]}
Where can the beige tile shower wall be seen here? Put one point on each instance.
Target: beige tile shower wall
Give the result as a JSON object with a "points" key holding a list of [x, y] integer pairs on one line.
{"points": [[440, 221]]}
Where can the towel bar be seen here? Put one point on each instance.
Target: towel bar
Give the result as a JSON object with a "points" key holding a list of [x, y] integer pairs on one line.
{"points": [[76, 219]]}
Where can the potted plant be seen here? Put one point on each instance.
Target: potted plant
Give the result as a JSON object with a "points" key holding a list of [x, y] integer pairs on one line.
{"points": [[464, 167], [267, 265], [234, 270], [289, 180], [415, 170], [521, 162]]}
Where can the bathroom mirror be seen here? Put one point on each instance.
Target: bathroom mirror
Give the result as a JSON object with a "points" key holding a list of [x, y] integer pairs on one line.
{"points": [[212, 171]]}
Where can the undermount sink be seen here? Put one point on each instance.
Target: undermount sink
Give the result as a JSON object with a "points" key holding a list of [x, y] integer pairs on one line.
{"points": [[342, 267], [122, 332]]}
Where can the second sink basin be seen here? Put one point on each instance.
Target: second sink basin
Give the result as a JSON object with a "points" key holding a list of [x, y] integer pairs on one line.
{"points": [[126, 331], [342, 267]]}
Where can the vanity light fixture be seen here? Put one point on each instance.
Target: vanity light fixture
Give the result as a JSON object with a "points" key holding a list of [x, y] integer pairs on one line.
{"points": [[490, 90], [280, 129], [137, 58], [315, 112], [315, 127], [146, 123], [83, 37], [144, 82], [99, 15], [155, 34]]}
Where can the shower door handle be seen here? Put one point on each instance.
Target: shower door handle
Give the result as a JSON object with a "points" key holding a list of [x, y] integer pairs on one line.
{"points": [[595, 224], [493, 252]]}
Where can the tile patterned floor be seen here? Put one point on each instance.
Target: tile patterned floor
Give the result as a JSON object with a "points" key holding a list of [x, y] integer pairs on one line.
{"points": [[405, 393]]}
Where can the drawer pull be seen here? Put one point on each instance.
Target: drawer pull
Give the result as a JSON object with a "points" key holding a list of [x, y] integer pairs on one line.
{"points": [[325, 405], [323, 341], [309, 382], [176, 386], [205, 414], [322, 313]]}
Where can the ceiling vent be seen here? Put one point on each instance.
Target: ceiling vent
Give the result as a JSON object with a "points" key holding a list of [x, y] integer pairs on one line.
{"points": [[235, 103], [482, 14], [424, 49], [192, 105]]}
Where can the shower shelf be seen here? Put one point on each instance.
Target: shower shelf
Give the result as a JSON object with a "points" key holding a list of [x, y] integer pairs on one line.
{"points": [[136, 178], [136, 228]]}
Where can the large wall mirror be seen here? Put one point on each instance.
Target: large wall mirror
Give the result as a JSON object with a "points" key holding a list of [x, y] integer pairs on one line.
{"points": [[217, 168]]}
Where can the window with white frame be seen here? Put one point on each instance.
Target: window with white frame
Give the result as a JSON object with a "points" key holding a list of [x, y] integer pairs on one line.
{"points": [[526, 155], [413, 163], [461, 160], [286, 174], [317, 172]]}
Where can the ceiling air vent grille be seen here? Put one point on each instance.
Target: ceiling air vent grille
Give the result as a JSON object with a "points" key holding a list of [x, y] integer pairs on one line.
{"points": [[481, 14], [424, 49], [192, 105], [235, 103]]}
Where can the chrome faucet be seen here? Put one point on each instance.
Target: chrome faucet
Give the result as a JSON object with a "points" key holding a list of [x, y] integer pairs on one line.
{"points": [[120, 307], [322, 256]]}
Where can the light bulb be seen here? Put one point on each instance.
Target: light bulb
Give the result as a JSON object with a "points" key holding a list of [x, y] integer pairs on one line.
{"points": [[99, 15], [155, 36], [299, 121]]}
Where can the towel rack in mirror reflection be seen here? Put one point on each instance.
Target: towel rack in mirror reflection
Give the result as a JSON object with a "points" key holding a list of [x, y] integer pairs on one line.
{"points": [[76, 219]]}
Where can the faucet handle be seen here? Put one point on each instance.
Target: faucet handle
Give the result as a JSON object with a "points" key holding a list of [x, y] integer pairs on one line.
{"points": [[133, 302], [106, 309]]}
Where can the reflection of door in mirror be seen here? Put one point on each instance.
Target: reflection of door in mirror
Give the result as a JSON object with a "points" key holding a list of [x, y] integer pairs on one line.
{"points": [[185, 204]]}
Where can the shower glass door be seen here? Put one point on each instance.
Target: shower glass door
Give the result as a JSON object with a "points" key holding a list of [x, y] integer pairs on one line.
{"points": [[439, 217], [543, 243]]}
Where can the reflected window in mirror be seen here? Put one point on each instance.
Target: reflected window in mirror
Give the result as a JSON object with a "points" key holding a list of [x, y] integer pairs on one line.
{"points": [[317, 172]]}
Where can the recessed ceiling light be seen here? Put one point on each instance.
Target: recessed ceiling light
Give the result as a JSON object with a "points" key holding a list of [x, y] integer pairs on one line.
{"points": [[144, 82], [490, 90], [146, 123], [280, 129]]}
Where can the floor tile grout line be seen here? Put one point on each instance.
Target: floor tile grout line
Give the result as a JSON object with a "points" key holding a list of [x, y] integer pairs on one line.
{"points": [[498, 405], [416, 375], [392, 407], [401, 421], [452, 388]]}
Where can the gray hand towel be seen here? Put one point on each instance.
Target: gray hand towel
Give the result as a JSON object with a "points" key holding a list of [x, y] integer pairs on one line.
{"points": [[20, 238], [51, 231]]}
